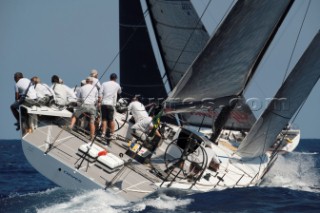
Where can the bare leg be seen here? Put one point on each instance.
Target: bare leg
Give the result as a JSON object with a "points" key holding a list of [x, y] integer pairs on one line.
{"points": [[104, 127], [73, 121], [92, 129], [111, 124]]}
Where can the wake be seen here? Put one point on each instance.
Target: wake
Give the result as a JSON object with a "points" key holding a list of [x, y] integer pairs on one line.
{"points": [[102, 201], [297, 171]]}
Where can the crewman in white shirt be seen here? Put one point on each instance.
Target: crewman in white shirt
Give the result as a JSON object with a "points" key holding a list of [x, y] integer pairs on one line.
{"points": [[44, 92], [143, 127], [108, 98], [88, 95], [24, 93], [95, 82], [63, 94], [137, 109]]}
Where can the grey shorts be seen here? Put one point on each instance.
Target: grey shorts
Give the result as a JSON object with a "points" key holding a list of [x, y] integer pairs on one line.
{"points": [[107, 112], [26, 101], [141, 135], [86, 109]]}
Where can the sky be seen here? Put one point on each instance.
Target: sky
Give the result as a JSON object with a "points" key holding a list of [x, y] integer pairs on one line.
{"points": [[69, 38]]}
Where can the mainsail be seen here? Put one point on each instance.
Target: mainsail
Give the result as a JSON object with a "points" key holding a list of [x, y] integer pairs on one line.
{"points": [[180, 35], [139, 73], [230, 58], [287, 101]]}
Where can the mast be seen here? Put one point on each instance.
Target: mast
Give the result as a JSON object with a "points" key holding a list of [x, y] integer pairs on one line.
{"points": [[153, 22]]}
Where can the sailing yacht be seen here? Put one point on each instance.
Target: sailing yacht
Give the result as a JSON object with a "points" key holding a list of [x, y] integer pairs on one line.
{"points": [[208, 76]]}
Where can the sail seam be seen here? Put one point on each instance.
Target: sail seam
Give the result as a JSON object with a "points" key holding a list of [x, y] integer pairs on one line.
{"points": [[179, 27], [132, 26]]}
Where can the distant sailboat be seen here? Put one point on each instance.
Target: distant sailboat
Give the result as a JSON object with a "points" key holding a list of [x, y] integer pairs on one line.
{"points": [[207, 77]]}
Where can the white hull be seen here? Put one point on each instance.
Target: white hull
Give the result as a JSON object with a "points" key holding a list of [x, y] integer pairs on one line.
{"points": [[133, 179], [56, 171]]}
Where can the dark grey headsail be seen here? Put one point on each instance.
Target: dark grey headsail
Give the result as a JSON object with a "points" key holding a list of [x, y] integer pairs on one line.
{"points": [[222, 70], [139, 73], [181, 36], [287, 101]]}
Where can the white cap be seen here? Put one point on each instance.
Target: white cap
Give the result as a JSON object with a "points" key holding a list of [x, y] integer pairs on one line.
{"points": [[94, 72], [83, 82]]}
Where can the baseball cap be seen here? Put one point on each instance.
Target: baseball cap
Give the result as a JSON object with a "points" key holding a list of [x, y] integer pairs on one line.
{"points": [[94, 72]]}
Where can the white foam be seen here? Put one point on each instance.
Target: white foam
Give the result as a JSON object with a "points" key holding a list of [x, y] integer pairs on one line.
{"points": [[295, 171], [101, 201], [163, 202], [93, 201], [46, 192]]}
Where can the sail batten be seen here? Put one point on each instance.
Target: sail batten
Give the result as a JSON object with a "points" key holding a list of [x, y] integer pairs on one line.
{"points": [[227, 62], [287, 101]]}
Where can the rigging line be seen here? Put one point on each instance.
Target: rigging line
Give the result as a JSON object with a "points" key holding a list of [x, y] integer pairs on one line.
{"points": [[227, 12], [165, 82], [209, 13], [94, 86], [296, 114], [224, 16], [296, 41], [265, 139], [272, 47], [264, 145], [136, 27], [176, 62]]}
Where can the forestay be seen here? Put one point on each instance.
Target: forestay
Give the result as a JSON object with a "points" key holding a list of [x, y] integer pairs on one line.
{"points": [[287, 101]]}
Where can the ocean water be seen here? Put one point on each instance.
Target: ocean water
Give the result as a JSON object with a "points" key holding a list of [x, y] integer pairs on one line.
{"points": [[292, 185]]}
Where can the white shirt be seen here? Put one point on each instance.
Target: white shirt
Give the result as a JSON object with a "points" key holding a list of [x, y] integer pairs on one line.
{"points": [[108, 92], [96, 83], [88, 94], [143, 125], [77, 91], [43, 90], [22, 86], [61, 93], [211, 155], [71, 94], [137, 110]]}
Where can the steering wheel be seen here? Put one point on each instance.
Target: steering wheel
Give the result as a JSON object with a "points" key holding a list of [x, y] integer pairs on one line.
{"points": [[182, 162]]}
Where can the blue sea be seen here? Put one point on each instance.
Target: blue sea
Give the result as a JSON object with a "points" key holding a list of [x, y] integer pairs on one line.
{"points": [[292, 185]]}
